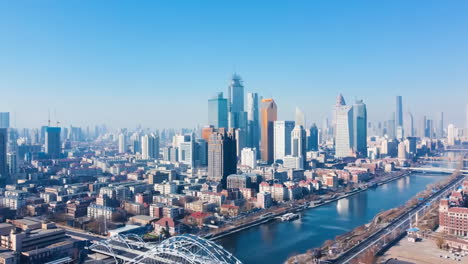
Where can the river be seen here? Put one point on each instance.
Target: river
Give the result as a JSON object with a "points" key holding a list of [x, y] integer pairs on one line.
{"points": [[274, 242]]}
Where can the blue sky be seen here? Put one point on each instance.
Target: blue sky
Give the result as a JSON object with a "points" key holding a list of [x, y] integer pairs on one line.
{"points": [[156, 63]]}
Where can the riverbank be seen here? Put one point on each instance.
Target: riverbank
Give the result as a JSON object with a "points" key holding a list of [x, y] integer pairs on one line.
{"points": [[300, 208]]}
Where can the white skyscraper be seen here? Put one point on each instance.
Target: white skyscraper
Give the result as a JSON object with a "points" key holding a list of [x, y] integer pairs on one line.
{"points": [[150, 146], [298, 142], [282, 138], [249, 157], [451, 134], [122, 143], [344, 130], [300, 118]]}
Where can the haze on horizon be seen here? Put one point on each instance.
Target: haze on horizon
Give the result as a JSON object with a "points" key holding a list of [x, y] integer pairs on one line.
{"points": [[156, 63]]}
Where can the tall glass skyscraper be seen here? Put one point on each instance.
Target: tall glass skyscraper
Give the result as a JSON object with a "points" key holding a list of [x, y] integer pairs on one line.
{"points": [[222, 159], [253, 125], [4, 120], [312, 138], [268, 117], [218, 111], [399, 112], [282, 138], [52, 139], [3, 154], [360, 128], [237, 117], [343, 128]]}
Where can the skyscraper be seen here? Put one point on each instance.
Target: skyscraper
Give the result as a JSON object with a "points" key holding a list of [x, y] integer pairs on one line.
{"points": [[399, 112], [282, 139], [187, 149], [312, 138], [150, 146], [451, 134], [218, 111], [253, 126], [360, 129], [237, 117], [52, 141], [409, 125], [343, 129], [222, 160], [300, 118], [122, 143], [298, 142], [3, 154], [4, 120], [268, 117], [440, 130]]}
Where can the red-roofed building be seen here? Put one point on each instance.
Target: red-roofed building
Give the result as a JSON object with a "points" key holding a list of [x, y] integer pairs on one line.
{"points": [[166, 223], [453, 218]]}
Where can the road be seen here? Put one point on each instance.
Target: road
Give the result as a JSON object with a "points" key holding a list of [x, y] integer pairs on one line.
{"points": [[355, 251]]}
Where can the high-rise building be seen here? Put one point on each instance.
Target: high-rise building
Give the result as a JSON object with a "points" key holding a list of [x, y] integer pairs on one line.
{"points": [[222, 160], [298, 142], [340, 101], [187, 150], [312, 138], [343, 129], [201, 152], [52, 141], [282, 139], [300, 118], [4, 120], [3, 154], [451, 134], [409, 125], [399, 112], [253, 125], [440, 130], [360, 128], [237, 117], [268, 117], [122, 143], [218, 111], [150, 146], [249, 157]]}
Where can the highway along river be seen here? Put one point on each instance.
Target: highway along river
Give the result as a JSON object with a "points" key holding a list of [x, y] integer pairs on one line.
{"points": [[275, 241]]}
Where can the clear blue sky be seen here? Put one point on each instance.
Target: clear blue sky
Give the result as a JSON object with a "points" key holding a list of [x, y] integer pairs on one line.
{"points": [[156, 63]]}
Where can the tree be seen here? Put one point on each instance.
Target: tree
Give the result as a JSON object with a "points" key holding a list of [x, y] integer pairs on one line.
{"points": [[440, 241], [119, 217]]}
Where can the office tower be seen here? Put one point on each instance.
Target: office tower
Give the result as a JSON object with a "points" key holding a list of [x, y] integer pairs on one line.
{"points": [[222, 160], [409, 125], [12, 162], [135, 141], [186, 149], [360, 128], [237, 117], [312, 138], [440, 133], [340, 101], [399, 112], [391, 129], [401, 151], [451, 134], [241, 141], [422, 127], [201, 152], [411, 146], [268, 117], [150, 146], [298, 142], [3, 154], [429, 128], [253, 125], [122, 143], [343, 129], [52, 142], [249, 157], [4, 120], [300, 118], [218, 111], [282, 139]]}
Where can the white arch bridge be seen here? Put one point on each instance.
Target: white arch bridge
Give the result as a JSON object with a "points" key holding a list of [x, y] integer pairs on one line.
{"points": [[184, 249]]}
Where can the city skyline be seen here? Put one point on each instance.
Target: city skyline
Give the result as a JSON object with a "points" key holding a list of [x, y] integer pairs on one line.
{"points": [[128, 73]]}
